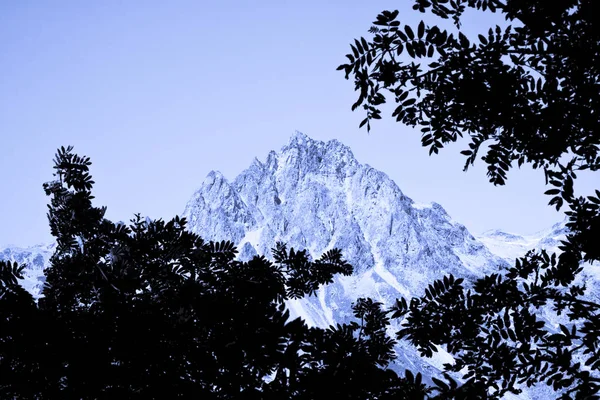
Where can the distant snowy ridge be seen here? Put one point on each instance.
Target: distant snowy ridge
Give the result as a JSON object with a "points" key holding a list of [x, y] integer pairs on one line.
{"points": [[510, 246]]}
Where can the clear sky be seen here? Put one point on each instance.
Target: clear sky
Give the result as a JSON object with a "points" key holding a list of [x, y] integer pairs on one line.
{"points": [[158, 93]]}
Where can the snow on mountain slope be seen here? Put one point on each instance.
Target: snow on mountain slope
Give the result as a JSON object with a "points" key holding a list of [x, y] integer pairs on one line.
{"points": [[315, 195], [510, 246], [36, 259]]}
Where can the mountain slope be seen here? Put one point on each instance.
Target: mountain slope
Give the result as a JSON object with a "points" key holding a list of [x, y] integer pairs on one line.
{"points": [[510, 246], [315, 195]]}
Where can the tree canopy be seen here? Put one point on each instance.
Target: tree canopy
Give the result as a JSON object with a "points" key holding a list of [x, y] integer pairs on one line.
{"points": [[530, 92]]}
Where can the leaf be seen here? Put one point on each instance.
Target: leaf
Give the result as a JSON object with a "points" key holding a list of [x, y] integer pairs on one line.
{"points": [[441, 384], [464, 41], [359, 46], [595, 200], [410, 50], [364, 43], [430, 51]]}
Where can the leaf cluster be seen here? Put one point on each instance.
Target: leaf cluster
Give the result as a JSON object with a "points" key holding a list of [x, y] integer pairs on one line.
{"points": [[528, 92]]}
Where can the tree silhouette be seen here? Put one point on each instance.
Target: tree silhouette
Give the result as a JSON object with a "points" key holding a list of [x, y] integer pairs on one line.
{"points": [[151, 310], [530, 92]]}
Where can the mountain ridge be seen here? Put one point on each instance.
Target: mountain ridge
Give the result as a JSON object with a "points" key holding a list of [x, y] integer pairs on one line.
{"points": [[316, 195]]}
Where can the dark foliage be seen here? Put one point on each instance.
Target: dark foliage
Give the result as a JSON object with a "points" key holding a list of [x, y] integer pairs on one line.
{"points": [[151, 310], [529, 91]]}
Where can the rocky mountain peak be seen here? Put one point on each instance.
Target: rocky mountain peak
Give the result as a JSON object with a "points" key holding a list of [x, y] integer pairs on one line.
{"points": [[315, 195]]}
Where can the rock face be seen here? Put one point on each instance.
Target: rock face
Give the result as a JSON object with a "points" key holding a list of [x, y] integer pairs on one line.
{"points": [[316, 195]]}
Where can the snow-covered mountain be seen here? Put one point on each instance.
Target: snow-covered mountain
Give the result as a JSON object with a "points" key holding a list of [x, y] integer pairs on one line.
{"points": [[315, 195]]}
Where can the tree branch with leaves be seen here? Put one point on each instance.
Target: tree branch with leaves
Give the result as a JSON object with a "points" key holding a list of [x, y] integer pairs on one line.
{"points": [[530, 92]]}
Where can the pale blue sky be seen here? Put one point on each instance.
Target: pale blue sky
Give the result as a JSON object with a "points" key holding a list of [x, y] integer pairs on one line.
{"points": [[158, 93]]}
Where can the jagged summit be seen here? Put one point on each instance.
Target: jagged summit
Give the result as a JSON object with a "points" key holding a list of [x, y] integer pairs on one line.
{"points": [[215, 175], [331, 157], [315, 195], [299, 137]]}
